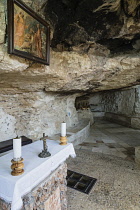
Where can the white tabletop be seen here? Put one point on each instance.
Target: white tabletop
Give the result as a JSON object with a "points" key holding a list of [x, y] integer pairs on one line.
{"points": [[12, 188]]}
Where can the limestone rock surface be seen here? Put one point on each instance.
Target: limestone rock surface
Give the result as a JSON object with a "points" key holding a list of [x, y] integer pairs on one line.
{"points": [[70, 72], [98, 49]]}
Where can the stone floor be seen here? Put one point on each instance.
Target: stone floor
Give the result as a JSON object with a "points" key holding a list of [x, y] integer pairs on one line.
{"points": [[113, 139], [108, 155]]}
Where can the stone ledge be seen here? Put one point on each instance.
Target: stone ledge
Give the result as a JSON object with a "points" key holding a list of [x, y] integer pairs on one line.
{"points": [[77, 134], [120, 119], [135, 122], [130, 121], [81, 134]]}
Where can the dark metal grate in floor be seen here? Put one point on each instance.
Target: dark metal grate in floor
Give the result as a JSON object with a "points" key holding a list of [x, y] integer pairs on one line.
{"points": [[80, 182]]}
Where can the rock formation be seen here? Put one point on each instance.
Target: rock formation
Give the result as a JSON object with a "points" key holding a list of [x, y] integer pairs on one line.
{"points": [[95, 46]]}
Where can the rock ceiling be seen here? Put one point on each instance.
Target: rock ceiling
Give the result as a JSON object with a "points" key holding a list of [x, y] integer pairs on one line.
{"points": [[112, 23], [95, 46]]}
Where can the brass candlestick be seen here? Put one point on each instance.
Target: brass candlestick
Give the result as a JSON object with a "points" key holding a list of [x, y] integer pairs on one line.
{"points": [[17, 167], [63, 140]]}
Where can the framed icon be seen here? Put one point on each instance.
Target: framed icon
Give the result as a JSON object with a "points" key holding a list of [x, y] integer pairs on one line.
{"points": [[28, 33]]}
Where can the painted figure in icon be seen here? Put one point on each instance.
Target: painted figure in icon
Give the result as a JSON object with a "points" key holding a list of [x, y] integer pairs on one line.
{"points": [[19, 29], [28, 34], [38, 41]]}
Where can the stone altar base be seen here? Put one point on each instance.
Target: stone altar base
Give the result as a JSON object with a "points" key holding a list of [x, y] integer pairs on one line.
{"points": [[50, 194]]}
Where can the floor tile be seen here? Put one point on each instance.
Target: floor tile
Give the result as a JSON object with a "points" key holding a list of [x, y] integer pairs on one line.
{"points": [[106, 136]]}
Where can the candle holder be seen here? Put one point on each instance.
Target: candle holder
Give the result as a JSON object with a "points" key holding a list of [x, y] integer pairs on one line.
{"points": [[17, 167], [63, 140]]}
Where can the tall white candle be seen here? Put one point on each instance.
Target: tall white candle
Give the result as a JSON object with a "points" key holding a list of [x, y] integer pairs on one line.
{"points": [[17, 148], [63, 129]]}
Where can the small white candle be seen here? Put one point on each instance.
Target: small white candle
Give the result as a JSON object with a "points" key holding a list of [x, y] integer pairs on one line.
{"points": [[17, 148], [63, 129]]}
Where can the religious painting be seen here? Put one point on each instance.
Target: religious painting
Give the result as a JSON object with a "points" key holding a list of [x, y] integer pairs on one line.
{"points": [[28, 33]]}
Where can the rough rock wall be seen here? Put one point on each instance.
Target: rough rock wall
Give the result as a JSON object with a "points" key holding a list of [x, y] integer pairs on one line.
{"points": [[137, 101], [87, 67], [125, 105], [121, 104], [112, 23], [97, 105], [125, 102], [35, 113], [25, 108]]}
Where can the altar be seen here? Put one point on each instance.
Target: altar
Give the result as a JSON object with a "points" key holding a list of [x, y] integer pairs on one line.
{"points": [[43, 183]]}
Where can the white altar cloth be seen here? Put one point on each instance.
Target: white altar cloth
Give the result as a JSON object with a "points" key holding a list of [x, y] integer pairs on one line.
{"points": [[13, 188]]}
